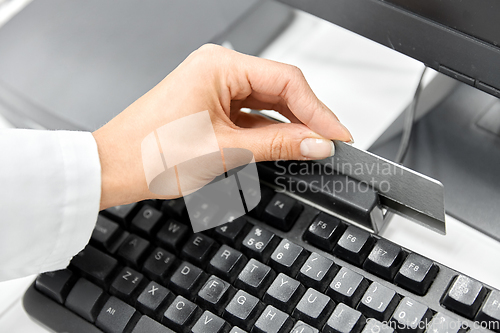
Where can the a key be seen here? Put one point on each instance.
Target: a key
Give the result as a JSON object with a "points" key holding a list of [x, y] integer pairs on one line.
{"points": [[384, 260], [344, 320], [116, 316], [490, 311], [172, 235], [210, 323], [378, 302], [273, 320], [232, 233], [259, 243], [86, 299], [56, 284], [284, 293], [411, 316], [105, 233], [442, 323], [127, 284], [215, 294], [314, 308], [158, 265], [416, 274], [227, 263], [122, 214], [153, 299], [175, 208], [288, 257], [317, 272], [133, 250], [95, 265], [324, 231], [347, 287], [373, 325], [146, 221], [354, 245], [181, 315], [464, 296], [243, 310], [282, 212], [148, 325], [301, 327], [255, 278], [199, 249], [187, 279]]}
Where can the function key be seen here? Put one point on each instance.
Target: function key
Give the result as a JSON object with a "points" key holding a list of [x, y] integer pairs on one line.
{"points": [[266, 194], [105, 233], [187, 279], [127, 284], [416, 274], [317, 271], [314, 308], [344, 320], [243, 310], [347, 287], [378, 302], [181, 315], [56, 284], [354, 245], [255, 278], [442, 323], [288, 257], [272, 320], [116, 316], [86, 299], [282, 212], [158, 265], [133, 250], [384, 259], [324, 231], [147, 221], [210, 323], [199, 249], [122, 214], [215, 294], [490, 312], [464, 296], [284, 293], [259, 243], [227, 263], [411, 316], [153, 299], [95, 265], [233, 232], [172, 235]]}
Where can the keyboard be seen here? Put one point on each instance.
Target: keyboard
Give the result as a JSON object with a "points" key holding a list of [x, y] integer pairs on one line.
{"points": [[287, 266]]}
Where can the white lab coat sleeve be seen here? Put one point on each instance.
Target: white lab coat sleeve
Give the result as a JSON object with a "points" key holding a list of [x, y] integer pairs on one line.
{"points": [[50, 190]]}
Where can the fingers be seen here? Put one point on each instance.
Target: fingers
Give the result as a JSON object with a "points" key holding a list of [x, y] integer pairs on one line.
{"points": [[249, 120]]}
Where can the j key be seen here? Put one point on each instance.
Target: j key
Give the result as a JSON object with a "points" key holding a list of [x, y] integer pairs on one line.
{"points": [[378, 302], [153, 299], [314, 308], [147, 221], [347, 287], [324, 231], [317, 272], [116, 316], [198, 249], [210, 323], [159, 265], [373, 325], [86, 299], [95, 265], [411, 316], [148, 325], [215, 294], [259, 243], [442, 323], [284, 293], [133, 250], [465, 296], [243, 310], [187, 279], [384, 259], [301, 327], [105, 233], [344, 320], [122, 214], [233, 232], [354, 245], [255, 278], [288, 257], [172, 235], [282, 212], [175, 208], [227, 263], [416, 274], [490, 311], [273, 320], [181, 314], [127, 284], [56, 285]]}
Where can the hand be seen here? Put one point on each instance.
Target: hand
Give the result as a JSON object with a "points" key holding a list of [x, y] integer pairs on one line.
{"points": [[221, 81]]}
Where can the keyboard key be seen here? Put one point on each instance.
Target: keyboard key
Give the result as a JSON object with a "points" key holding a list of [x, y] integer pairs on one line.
{"points": [[255, 278], [95, 265], [187, 279], [172, 235], [259, 244], [227, 263], [301, 327], [105, 233], [127, 284], [378, 302], [153, 299], [490, 311], [175, 208], [464, 296], [56, 284], [198, 249], [243, 310], [416, 274], [317, 272], [159, 265], [354, 245], [121, 214], [272, 320], [181, 315], [148, 325], [284, 293], [314, 308], [232, 233], [385, 259], [215, 294], [411, 316], [347, 287], [147, 221], [344, 320], [373, 325], [442, 323], [133, 250], [86, 299], [210, 323], [266, 194], [282, 212], [324, 231], [288, 257], [116, 316]]}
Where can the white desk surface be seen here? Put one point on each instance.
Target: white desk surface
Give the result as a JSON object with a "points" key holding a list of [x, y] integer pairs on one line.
{"points": [[366, 85]]}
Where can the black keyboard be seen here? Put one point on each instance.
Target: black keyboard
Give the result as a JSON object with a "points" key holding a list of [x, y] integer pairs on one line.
{"points": [[286, 267]]}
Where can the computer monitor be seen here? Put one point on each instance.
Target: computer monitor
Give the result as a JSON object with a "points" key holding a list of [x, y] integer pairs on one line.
{"points": [[458, 141]]}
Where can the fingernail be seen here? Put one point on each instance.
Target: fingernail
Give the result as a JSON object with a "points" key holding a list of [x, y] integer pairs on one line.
{"points": [[351, 140], [317, 148]]}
